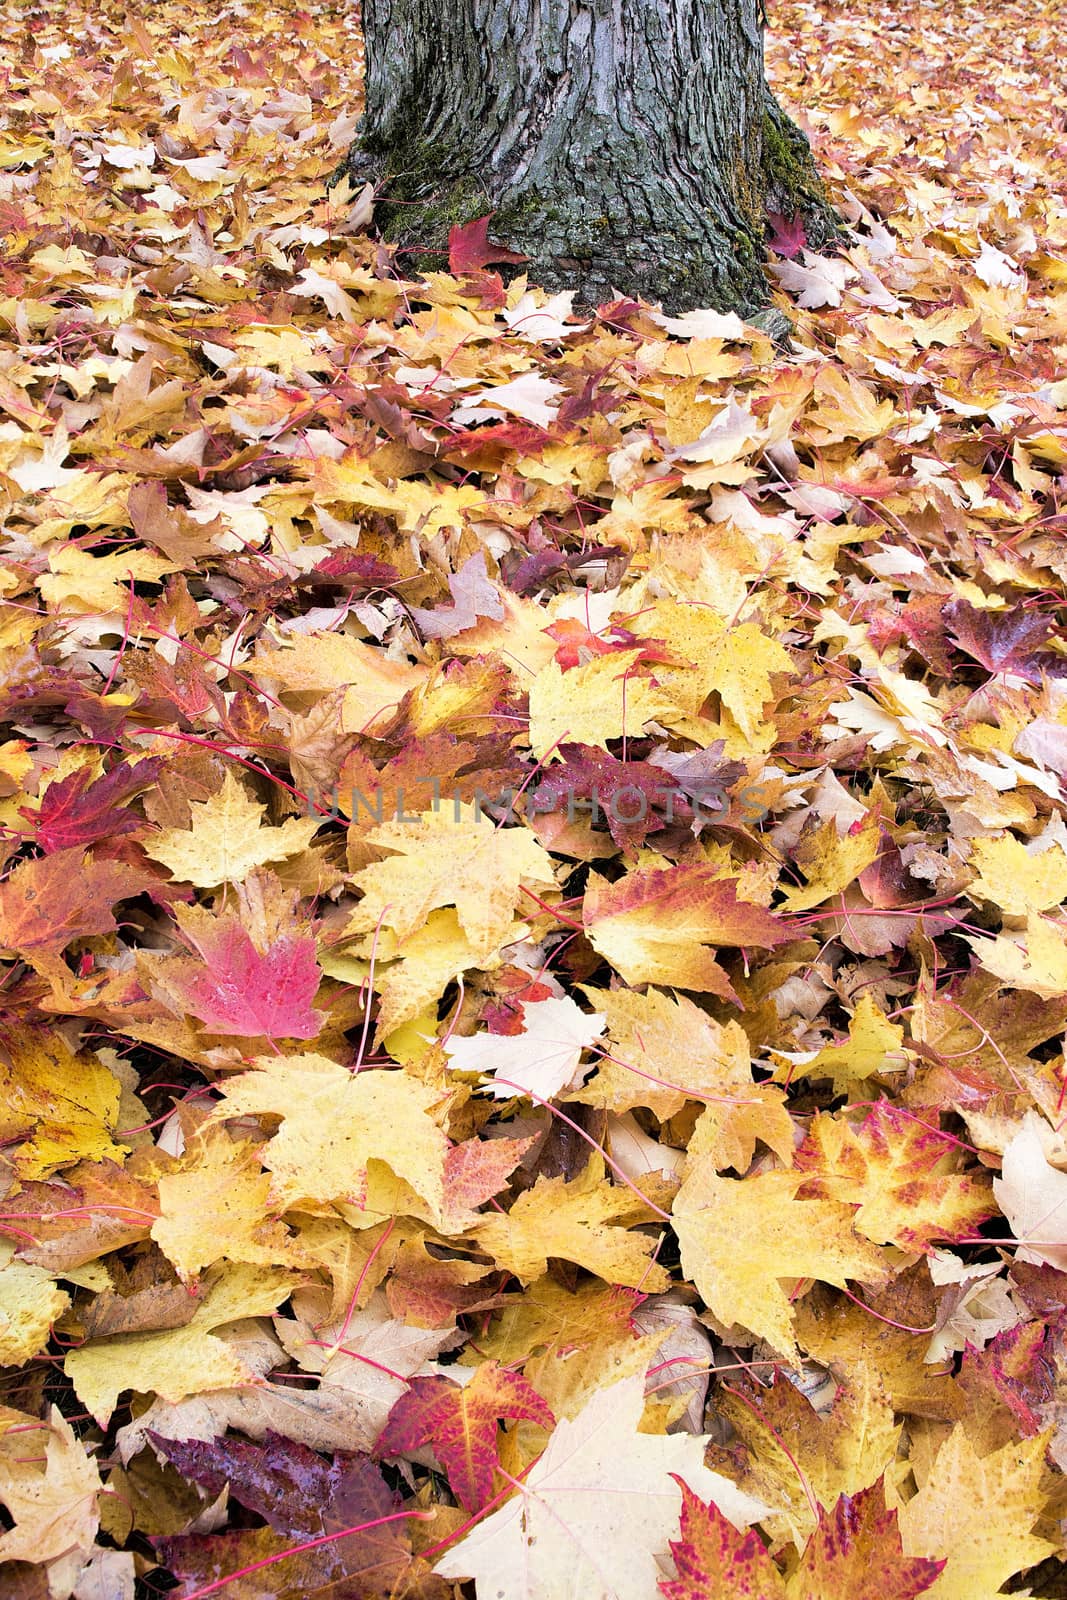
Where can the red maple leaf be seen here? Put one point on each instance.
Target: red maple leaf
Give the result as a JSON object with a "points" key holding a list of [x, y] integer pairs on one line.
{"points": [[461, 1424], [469, 249], [478, 1169], [630, 797], [1014, 1370], [79, 809], [289, 1485], [1004, 641], [789, 236], [854, 1554], [576, 643], [245, 991]]}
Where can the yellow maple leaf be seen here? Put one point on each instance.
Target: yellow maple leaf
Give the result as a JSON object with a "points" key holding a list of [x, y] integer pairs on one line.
{"points": [[440, 860], [729, 1126], [226, 839], [691, 634], [1019, 882], [549, 1317], [413, 973], [584, 1221], [461, 700], [734, 662], [324, 661], [740, 1238], [374, 682], [218, 1206], [179, 1361], [284, 348], [646, 505], [606, 698], [77, 580], [653, 925], [847, 409], [52, 1493], [665, 1051], [874, 1047], [418, 506], [830, 863], [839, 1334], [739, 668], [977, 1512], [30, 1301], [58, 1107], [903, 1176], [334, 1123]]}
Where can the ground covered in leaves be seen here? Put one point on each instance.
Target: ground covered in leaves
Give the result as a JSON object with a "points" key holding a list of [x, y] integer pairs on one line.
{"points": [[534, 967]]}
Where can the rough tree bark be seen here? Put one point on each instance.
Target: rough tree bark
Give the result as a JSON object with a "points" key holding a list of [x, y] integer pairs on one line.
{"points": [[622, 145]]}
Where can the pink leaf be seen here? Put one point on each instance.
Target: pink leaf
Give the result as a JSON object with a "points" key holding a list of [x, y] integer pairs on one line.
{"points": [[789, 236], [248, 992]]}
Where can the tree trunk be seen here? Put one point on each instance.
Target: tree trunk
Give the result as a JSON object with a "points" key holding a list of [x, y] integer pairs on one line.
{"points": [[624, 146]]}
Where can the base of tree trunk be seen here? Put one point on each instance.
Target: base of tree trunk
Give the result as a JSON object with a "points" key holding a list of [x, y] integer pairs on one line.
{"points": [[653, 182]]}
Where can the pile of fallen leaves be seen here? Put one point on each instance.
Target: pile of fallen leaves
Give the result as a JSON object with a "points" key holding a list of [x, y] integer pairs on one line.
{"points": [[533, 960]]}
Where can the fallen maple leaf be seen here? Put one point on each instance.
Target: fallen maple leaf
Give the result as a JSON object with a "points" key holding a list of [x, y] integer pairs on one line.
{"points": [[473, 596], [57, 1107], [854, 1554], [469, 249], [236, 988], [602, 699], [799, 1458], [831, 862], [1032, 1194], [664, 1051], [874, 1047], [461, 1424], [217, 1206], [542, 1059], [181, 1361], [78, 809], [903, 1176], [291, 1487], [226, 838], [818, 282], [740, 1238], [441, 861], [976, 1512], [594, 1512], [789, 236], [30, 1301], [51, 1493], [583, 1221], [1017, 880], [307, 1502], [1000, 640], [1034, 959], [38, 914], [653, 925], [334, 1123]]}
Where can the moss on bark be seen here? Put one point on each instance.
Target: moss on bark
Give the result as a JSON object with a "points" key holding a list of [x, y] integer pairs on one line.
{"points": [[791, 183], [640, 161]]}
